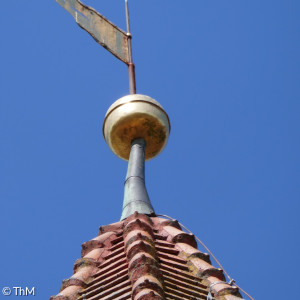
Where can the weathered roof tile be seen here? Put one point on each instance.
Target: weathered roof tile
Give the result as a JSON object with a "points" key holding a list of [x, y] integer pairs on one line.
{"points": [[144, 258]]}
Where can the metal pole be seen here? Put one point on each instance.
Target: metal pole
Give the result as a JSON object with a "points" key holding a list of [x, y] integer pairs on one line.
{"points": [[127, 16], [131, 67], [135, 193]]}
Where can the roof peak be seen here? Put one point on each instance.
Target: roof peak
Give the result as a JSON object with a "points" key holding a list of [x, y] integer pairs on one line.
{"points": [[145, 258]]}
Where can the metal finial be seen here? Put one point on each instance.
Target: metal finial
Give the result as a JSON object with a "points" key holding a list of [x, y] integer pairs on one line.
{"points": [[135, 194], [136, 128], [132, 117], [132, 121]]}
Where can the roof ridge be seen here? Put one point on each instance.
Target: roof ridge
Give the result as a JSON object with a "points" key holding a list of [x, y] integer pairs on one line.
{"points": [[146, 258]]}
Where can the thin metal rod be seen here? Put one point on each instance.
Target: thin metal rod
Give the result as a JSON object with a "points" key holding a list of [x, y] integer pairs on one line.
{"points": [[127, 16], [135, 193], [131, 67], [131, 75]]}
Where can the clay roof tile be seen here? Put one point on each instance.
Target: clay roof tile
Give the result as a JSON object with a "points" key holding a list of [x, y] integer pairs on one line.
{"points": [[144, 258]]}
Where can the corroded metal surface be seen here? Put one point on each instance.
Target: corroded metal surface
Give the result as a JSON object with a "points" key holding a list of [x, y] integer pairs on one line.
{"points": [[135, 193], [102, 30], [132, 117], [143, 258]]}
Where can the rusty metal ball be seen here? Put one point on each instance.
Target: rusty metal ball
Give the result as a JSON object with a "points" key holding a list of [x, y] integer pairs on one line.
{"points": [[136, 116]]}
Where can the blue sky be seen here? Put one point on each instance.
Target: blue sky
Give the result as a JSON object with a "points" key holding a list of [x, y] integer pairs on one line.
{"points": [[226, 72]]}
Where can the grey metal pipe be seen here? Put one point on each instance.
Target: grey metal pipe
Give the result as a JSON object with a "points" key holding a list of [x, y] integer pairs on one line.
{"points": [[135, 194]]}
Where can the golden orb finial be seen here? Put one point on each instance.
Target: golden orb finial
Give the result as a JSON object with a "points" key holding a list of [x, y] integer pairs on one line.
{"points": [[136, 116]]}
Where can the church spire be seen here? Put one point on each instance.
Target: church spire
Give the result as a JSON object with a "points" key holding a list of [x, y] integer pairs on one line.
{"points": [[142, 256]]}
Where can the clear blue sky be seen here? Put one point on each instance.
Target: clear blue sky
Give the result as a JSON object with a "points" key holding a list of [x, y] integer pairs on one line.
{"points": [[227, 73]]}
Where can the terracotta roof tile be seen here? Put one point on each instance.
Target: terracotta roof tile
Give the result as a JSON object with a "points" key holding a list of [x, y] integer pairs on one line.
{"points": [[144, 258]]}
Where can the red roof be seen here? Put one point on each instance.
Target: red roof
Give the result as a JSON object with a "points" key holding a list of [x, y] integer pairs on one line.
{"points": [[144, 258]]}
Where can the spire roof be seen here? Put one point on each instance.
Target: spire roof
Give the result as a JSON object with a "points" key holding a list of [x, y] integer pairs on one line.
{"points": [[143, 258]]}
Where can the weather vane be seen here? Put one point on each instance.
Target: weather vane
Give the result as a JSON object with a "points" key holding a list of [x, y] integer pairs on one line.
{"points": [[135, 127], [107, 34]]}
